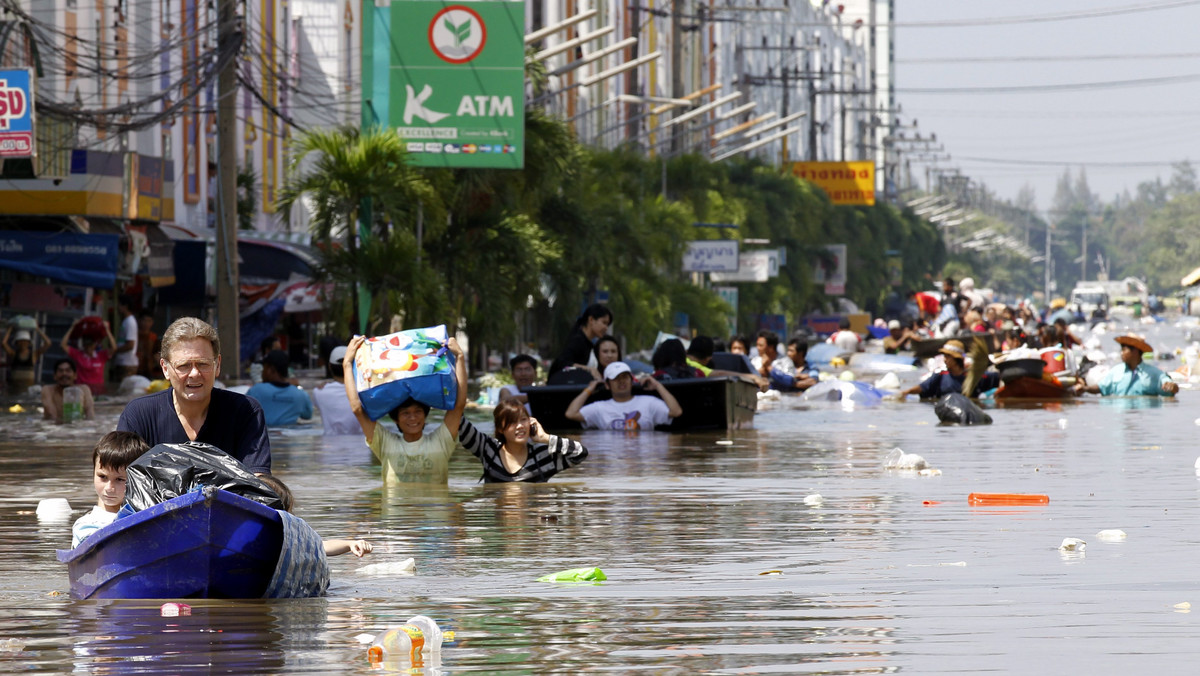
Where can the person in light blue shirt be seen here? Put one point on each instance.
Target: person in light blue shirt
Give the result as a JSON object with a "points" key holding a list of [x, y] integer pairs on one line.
{"points": [[282, 402], [1132, 377]]}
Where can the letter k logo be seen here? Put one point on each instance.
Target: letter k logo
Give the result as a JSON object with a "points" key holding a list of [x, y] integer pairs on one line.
{"points": [[414, 106]]}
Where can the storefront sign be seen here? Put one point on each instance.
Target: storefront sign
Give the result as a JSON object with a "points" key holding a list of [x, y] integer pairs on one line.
{"points": [[845, 182], [86, 260], [16, 113]]}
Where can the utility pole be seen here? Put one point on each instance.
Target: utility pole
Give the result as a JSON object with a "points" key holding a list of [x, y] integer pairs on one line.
{"points": [[228, 28], [677, 88], [1083, 274]]}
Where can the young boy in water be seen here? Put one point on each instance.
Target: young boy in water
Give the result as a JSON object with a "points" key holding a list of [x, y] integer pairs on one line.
{"points": [[332, 547], [110, 457]]}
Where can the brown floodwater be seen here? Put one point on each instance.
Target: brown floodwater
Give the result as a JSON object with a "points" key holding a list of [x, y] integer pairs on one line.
{"points": [[892, 572]]}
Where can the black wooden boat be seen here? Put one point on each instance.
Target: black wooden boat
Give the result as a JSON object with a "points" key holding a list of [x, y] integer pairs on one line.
{"points": [[707, 403]]}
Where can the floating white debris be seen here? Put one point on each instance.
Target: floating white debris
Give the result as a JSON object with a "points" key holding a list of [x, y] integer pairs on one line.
{"points": [[405, 567], [898, 459], [1072, 545], [724, 442], [53, 509], [930, 471], [890, 382], [954, 563], [1111, 534], [365, 638], [814, 500], [1062, 423], [1182, 606]]}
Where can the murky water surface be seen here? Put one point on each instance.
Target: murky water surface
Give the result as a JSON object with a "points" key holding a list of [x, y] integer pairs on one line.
{"points": [[893, 572]]}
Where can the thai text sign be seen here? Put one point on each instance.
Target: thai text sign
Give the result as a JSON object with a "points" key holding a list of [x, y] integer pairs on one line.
{"points": [[753, 266], [456, 82], [16, 113], [844, 182], [85, 260], [719, 255]]}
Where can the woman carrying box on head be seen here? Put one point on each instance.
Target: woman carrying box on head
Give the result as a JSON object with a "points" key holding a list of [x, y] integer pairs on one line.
{"points": [[410, 456]]}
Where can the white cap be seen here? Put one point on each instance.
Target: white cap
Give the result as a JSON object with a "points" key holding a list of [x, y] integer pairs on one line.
{"points": [[615, 369], [894, 324], [22, 335], [338, 354]]}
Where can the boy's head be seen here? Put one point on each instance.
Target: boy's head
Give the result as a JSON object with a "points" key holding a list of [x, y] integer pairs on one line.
{"points": [[410, 418], [110, 457], [281, 489]]}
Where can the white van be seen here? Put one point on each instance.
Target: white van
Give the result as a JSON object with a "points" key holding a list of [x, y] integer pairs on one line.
{"points": [[1089, 298]]}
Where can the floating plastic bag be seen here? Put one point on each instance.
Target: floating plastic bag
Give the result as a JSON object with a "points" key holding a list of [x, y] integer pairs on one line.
{"points": [[956, 408], [575, 575], [898, 459], [408, 364], [171, 470]]}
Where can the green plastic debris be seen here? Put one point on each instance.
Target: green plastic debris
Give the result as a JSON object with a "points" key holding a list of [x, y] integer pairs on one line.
{"points": [[575, 575]]}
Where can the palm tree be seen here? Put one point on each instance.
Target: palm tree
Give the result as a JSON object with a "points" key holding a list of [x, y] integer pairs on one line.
{"points": [[357, 184]]}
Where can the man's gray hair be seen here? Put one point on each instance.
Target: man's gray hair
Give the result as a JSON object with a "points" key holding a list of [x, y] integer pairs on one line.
{"points": [[189, 328]]}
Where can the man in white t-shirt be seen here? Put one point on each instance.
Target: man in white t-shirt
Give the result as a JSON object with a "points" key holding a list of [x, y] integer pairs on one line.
{"points": [[330, 398], [125, 359], [624, 411]]}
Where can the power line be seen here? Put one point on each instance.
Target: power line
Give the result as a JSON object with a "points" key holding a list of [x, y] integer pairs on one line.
{"points": [[1052, 88], [1072, 163], [1048, 58]]}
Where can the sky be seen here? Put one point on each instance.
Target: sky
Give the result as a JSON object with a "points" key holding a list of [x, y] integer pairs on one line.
{"points": [[1117, 96]]}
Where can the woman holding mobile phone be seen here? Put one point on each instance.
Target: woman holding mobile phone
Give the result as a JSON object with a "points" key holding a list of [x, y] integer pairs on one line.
{"points": [[520, 450]]}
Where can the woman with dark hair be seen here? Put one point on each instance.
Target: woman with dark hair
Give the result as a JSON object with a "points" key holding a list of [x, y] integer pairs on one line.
{"points": [[607, 351], [670, 362], [520, 450], [739, 345], [592, 324]]}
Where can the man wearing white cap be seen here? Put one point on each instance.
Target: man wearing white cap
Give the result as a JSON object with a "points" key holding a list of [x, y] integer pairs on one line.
{"points": [[624, 411], [336, 416], [898, 338]]}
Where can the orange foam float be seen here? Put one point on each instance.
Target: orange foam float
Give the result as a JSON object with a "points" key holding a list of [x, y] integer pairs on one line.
{"points": [[1008, 499]]}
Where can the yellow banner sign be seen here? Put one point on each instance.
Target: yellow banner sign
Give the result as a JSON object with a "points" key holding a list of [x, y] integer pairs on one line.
{"points": [[845, 182]]}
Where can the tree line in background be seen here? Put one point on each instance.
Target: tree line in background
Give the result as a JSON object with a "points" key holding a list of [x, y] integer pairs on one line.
{"points": [[1152, 233], [503, 252]]}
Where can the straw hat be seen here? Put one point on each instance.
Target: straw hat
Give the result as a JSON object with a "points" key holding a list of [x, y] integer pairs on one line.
{"points": [[1058, 303], [1135, 342], [954, 348]]}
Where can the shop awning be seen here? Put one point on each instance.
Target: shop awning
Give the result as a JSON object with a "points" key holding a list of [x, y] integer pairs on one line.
{"points": [[1192, 278], [68, 257]]}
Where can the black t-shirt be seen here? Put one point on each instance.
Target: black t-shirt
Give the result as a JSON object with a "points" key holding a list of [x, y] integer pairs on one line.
{"points": [[577, 351], [234, 424]]}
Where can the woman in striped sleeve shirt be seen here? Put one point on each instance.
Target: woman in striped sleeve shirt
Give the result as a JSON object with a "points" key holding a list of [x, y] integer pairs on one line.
{"points": [[520, 450]]}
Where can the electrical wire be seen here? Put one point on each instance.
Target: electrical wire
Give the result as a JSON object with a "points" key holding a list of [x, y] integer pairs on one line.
{"points": [[1055, 88]]}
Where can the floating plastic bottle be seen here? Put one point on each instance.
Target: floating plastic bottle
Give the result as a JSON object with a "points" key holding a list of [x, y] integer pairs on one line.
{"points": [[72, 404], [403, 643]]}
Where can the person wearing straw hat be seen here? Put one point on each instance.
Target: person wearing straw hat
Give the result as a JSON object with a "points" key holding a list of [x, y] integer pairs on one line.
{"points": [[1133, 377], [952, 379]]}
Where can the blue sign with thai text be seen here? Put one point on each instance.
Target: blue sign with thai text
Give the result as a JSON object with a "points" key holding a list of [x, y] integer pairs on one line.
{"points": [[16, 113], [86, 260]]}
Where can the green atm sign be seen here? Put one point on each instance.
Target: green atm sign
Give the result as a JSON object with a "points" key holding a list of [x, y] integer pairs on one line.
{"points": [[449, 78]]}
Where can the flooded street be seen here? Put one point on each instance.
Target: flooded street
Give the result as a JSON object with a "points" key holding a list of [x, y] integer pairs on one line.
{"points": [[894, 572]]}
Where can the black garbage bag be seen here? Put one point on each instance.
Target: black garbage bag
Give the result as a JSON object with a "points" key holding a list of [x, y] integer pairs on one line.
{"points": [[957, 408], [170, 470]]}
